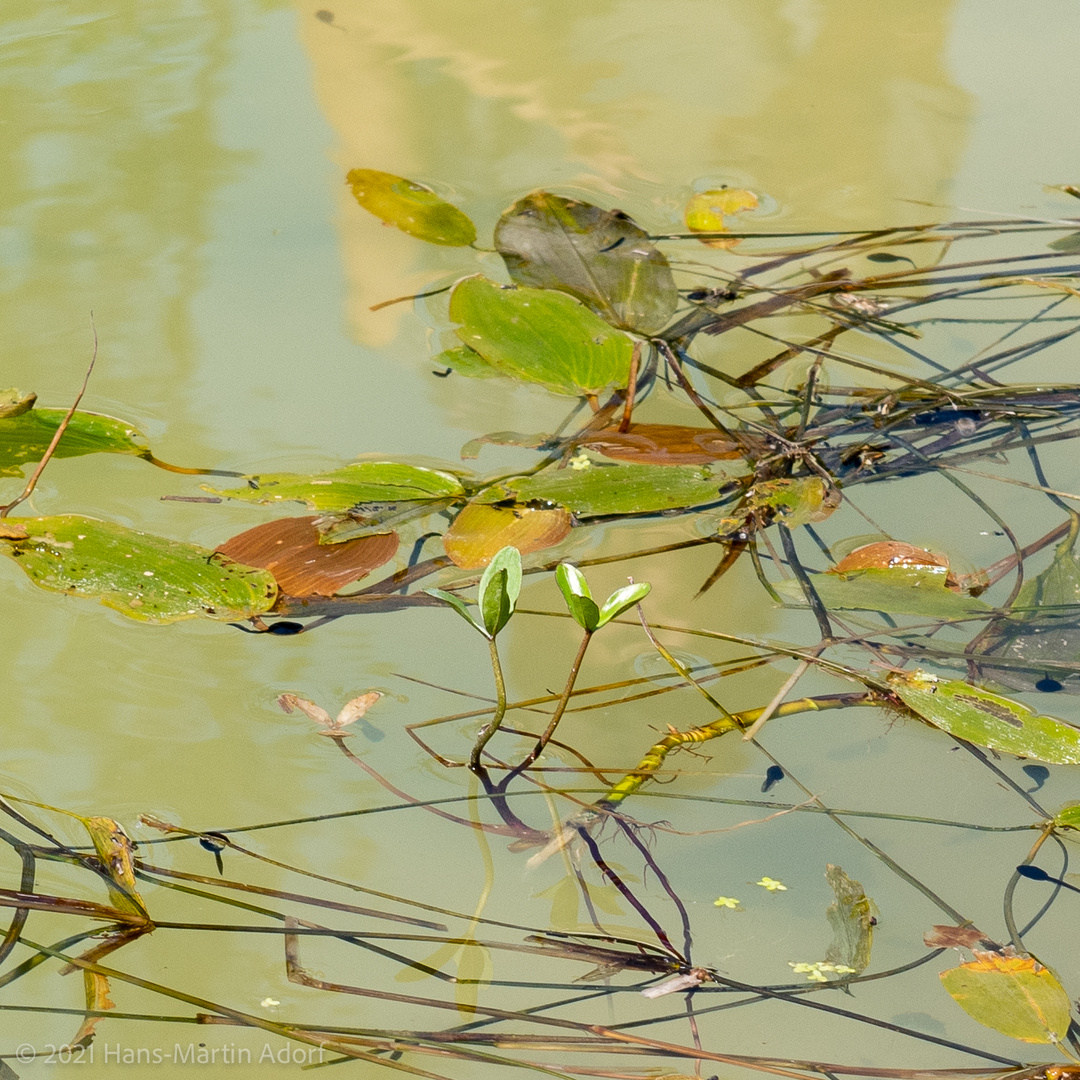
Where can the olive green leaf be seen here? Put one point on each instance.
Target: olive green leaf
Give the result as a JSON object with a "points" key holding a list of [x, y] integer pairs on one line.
{"points": [[412, 207], [540, 336], [599, 256], [1012, 994], [146, 577], [359, 482], [852, 916], [987, 719], [614, 489]]}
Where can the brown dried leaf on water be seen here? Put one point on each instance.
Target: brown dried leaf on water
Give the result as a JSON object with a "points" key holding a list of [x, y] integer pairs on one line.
{"points": [[959, 937], [289, 548], [886, 554], [665, 444], [350, 713], [97, 1000], [115, 850], [480, 531]]}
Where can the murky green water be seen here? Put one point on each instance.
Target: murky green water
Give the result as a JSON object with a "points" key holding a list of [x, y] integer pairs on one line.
{"points": [[175, 168]]}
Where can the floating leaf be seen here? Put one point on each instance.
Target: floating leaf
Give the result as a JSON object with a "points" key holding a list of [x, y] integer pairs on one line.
{"points": [[374, 519], [1069, 242], [15, 403], [795, 502], [26, 433], [958, 937], [412, 207], [1014, 995], [1068, 817], [540, 336], [613, 489], [599, 256], [903, 590], [885, 554], [504, 438], [114, 850], [480, 530], [97, 1001], [350, 713], [143, 576], [468, 362], [290, 549], [360, 482], [852, 916], [987, 719], [706, 211], [665, 444]]}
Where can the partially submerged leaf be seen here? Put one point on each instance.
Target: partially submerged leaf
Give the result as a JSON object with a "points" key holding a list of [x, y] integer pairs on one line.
{"points": [[374, 519], [1068, 817], [885, 554], [25, 434], [613, 489], [987, 719], [540, 336], [290, 549], [1014, 995], [359, 482], [902, 590], [958, 937], [97, 1000], [143, 576], [468, 362], [707, 210], [412, 207], [852, 916], [803, 501], [114, 850], [15, 403], [599, 256], [480, 530], [350, 713], [665, 444]]}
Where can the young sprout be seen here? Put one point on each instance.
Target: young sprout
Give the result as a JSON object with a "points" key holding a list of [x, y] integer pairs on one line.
{"points": [[496, 599]]}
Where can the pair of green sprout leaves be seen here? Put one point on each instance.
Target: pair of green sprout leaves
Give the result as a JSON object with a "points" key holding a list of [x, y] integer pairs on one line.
{"points": [[500, 587]]}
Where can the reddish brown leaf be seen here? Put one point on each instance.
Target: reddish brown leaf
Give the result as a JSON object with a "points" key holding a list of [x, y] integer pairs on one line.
{"points": [[958, 937], [289, 548], [665, 444], [479, 532], [886, 554]]}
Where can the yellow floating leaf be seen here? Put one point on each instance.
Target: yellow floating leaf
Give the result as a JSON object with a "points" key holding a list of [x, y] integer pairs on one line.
{"points": [[480, 531], [706, 211]]}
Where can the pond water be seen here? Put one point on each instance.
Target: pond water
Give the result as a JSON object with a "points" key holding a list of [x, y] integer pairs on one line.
{"points": [[173, 176]]}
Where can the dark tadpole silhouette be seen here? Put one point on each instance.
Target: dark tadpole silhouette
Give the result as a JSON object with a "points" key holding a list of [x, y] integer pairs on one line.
{"points": [[1039, 773], [773, 775], [1036, 873]]}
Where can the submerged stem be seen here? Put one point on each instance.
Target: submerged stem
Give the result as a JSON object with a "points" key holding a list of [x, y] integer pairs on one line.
{"points": [[564, 700], [492, 726]]}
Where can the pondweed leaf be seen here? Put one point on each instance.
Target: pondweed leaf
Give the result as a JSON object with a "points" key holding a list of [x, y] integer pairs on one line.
{"points": [[900, 590], [599, 256], [795, 502], [499, 589], [578, 596], [707, 210], [25, 435], [887, 554], [986, 719], [412, 207], [613, 489], [143, 576], [290, 549], [664, 444], [1012, 994], [852, 916], [622, 600], [359, 482], [540, 336], [480, 530], [468, 362]]}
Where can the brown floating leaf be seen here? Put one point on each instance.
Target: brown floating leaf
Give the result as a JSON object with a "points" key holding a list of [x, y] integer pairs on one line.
{"points": [[959, 937], [480, 531], [350, 713], [289, 548], [886, 554], [665, 444]]}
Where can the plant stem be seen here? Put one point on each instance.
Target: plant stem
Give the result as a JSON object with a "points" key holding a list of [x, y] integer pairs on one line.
{"points": [[490, 728], [560, 708]]}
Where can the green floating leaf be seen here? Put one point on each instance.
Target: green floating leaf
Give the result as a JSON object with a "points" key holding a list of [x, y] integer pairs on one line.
{"points": [[1069, 242], [898, 590], [468, 362], [360, 482], [25, 435], [599, 256], [374, 519], [614, 489], [499, 589], [145, 577], [15, 403], [412, 207], [540, 336], [804, 501], [852, 917], [578, 596], [1068, 817], [1012, 994], [987, 719]]}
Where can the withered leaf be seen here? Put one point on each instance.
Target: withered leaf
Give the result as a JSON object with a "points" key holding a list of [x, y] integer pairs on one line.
{"points": [[480, 531]]}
